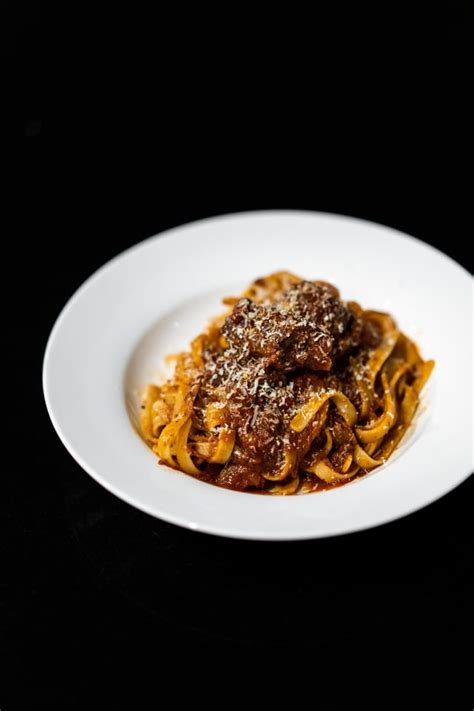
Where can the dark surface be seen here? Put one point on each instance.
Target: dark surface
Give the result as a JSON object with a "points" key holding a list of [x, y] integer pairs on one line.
{"points": [[104, 581], [106, 593]]}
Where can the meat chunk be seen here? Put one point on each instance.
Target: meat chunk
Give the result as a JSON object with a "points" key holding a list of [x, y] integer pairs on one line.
{"points": [[307, 326], [370, 336], [240, 477], [342, 433], [340, 454], [343, 441]]}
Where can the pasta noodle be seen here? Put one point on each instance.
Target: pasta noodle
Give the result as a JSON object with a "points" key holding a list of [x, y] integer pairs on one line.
{"points": [[289, 391]]}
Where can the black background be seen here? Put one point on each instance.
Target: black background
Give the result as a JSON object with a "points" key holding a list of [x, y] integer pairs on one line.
{"points": [[107, 598]]}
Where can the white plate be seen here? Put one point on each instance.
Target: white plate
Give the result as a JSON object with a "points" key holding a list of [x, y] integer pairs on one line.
{"points": [[112, 336]]}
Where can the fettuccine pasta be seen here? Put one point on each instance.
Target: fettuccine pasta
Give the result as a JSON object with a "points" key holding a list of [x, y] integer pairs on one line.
{"points": [[291, 390]]}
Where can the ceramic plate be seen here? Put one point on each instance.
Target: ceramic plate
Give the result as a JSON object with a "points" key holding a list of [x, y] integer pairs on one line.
{"points": [[111, 339]]}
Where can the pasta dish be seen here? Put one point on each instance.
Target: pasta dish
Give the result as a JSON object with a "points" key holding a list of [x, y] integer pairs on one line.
{"points": [[291, 390]]}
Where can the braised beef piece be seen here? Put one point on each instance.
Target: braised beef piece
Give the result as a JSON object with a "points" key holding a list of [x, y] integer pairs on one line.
{"points": [[308, 326], [320, 303], [256, 441], [351, 390], [333, 290], [306, 384], [351, 335], [240, 477], [343, 442], [282, 340], [341, 432], [340, 454], [370, 336]]}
